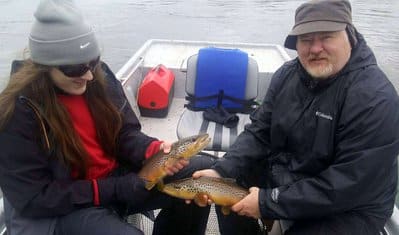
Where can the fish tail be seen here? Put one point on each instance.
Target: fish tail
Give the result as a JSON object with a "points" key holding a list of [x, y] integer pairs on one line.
{"points": [[225, 210], [149, 185]]}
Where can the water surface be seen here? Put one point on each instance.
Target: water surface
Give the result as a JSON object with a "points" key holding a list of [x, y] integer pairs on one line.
{"points": [[124, 25]]}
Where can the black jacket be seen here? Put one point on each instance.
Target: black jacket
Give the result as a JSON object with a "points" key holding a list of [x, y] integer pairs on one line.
{"points": [[38, 185], [331, 146]]}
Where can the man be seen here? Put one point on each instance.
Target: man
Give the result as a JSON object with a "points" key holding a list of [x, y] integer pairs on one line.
{"points": [[327, 132]]}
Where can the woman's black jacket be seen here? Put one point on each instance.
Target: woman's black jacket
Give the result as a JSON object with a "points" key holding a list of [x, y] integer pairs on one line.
{"points": [[36, 184]]}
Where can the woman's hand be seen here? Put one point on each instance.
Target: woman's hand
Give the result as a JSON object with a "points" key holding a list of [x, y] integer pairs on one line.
{"points": [[172, 167]]}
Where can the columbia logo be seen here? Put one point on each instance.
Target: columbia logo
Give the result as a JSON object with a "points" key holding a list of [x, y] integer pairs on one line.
{"points": [[323, 115], [274, 194]]}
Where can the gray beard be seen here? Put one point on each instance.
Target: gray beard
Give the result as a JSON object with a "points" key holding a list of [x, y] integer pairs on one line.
{"points": [[321, 72]]}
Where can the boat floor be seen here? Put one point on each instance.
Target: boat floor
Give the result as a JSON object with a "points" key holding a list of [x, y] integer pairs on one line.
{"points": [[164, 128]]}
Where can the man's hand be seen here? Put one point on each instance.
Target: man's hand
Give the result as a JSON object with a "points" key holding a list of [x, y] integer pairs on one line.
{"points": [[172, 167], [249, 205], [208, 173]]}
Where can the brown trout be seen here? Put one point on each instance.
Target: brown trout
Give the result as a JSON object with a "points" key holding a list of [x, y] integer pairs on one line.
{"points": [[153, 170], [222, 191]]}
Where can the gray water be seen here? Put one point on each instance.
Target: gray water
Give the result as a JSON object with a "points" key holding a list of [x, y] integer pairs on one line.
{"points": [[124, 25]]}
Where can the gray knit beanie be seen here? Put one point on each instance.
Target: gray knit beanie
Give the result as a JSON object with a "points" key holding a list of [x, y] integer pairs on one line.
{"points": [[60, 35]]}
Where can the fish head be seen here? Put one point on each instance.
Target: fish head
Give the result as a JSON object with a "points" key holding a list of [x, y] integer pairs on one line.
{"points": [[181, 189], [189, 146]]}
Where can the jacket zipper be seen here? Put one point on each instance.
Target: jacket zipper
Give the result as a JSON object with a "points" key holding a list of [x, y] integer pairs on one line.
{"points": [[40, 118]]}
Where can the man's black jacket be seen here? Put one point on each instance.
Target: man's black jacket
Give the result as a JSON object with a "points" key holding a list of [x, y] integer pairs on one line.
{"points": [[331, 146]]}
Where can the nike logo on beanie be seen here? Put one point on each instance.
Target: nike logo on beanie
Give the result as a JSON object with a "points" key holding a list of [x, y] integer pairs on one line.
{"points": [[84, 45]]}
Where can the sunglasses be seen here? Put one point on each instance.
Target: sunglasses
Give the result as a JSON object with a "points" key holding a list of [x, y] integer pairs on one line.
{"points": [[78, 70]]}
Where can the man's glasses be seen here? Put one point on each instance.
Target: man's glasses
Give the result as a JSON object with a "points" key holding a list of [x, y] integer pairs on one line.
{"points": [[78, 70]]}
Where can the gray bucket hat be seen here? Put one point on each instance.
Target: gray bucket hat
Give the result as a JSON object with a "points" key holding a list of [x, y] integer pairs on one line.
{"points": [[319, 16]]}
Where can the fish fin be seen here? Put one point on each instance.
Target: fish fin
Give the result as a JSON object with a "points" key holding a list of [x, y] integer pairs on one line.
{"points": [[231, 180], [160, 185], [149, 185], [228, 181], [222, 180], [200, 200], [225, 210]]}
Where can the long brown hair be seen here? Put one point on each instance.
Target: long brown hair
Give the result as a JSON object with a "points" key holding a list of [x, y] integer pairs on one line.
{"points": [[33, 81]]}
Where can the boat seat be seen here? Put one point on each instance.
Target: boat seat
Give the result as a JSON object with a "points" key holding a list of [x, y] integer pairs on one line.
{"points": [[220, 83]]}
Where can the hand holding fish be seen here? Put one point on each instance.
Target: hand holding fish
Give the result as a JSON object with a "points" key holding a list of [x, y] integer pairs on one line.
{"points": [[249, 205], [172, 168], [206, 189], [206, 173], [171, 158], [221, 191]]}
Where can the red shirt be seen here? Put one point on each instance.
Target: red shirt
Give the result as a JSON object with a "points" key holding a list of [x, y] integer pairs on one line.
{"points": [[99, 164]]}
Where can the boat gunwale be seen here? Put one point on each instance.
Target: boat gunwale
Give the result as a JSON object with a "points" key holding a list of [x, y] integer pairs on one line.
{"points": [[134, 62]]}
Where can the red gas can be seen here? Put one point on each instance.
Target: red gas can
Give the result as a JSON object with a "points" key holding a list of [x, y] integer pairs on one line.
{"points": [[156, 92]]}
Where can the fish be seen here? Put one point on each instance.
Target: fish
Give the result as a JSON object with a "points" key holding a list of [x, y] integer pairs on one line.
{"points": [[222, 191], [153, 170]]}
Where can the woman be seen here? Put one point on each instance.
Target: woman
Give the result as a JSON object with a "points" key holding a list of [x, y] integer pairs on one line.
{"points": [[71, 143]]}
